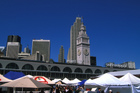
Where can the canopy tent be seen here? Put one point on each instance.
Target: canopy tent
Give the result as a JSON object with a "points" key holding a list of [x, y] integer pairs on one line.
{"points": [[65, 80], [105, 80], [43, 79], [131, 79], [25, 82], [56, 80], [74, 81], [4, 79], [14, 75], [82, 82]]}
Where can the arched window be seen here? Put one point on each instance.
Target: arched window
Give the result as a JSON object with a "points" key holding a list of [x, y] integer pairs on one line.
{"points": [[78, 70], [12, 66], [28, 67], [106, 71], [0, 65], [42, 67], [55, 68], [98, 72], [88, 71], [67, 69]]}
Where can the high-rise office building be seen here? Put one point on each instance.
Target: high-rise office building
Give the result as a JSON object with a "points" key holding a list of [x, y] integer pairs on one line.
{"points": [[83, 47], [43, 47], [26, 50], [14, 38], [61, 55], [13, 46], [72, 53]]}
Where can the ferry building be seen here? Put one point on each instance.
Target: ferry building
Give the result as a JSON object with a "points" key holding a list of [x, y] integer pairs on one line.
{"points": [[54, 70]]}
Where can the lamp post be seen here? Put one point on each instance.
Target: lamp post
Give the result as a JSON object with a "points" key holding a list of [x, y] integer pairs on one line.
{"points": [[49, 66]]}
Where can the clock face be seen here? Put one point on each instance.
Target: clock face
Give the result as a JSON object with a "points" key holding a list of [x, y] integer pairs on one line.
{"points": [[86, 52], [79, 52]]}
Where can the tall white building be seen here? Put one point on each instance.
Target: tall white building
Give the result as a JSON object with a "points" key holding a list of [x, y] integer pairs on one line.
{"points": [[83, 47]]}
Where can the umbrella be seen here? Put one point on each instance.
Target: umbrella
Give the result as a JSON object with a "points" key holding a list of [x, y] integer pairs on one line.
{"points": [[43, 79], [4, 79], [14, 75], [25, 82]]}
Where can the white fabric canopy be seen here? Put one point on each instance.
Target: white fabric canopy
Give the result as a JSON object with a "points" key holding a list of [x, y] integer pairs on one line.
{"points": [[65, 80], [131, 79], [56, 80], [105, 80], [75, 81], [4, 79]]}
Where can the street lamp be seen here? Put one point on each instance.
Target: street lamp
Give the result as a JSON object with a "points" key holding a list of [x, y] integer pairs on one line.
{"points": [[49, 66]]}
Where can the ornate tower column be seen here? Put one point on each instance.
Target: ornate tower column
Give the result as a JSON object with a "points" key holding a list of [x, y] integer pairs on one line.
{"points": [[83, 47]]}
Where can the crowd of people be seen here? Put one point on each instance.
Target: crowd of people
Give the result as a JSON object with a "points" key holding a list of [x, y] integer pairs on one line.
{"points": [[102, 91], [74, 89], [67, 89]]}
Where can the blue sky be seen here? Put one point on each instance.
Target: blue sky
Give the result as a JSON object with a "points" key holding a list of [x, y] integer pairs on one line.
{"points": [[112, 25]]}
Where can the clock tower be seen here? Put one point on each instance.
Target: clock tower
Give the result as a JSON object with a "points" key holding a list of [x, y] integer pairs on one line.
{"points": [[83, 47]]}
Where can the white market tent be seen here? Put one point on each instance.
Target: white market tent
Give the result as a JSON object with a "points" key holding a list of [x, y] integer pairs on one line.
{"points": [[74, 81], [105, 80], [131, 79], [56, 80], [115, 84], [65, 80]]}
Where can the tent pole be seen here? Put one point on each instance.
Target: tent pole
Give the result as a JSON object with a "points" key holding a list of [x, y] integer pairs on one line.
{"points": [[22, 89], [14, 90]]}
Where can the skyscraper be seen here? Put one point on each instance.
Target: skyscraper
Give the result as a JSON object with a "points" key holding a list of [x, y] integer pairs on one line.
{"points": [[13, 46], [26, 50], [72, 53], [14, 38], [43, 47], [61, 55]]}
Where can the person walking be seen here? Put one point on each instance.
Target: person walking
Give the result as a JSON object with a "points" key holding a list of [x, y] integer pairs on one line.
{"points": [[99, 90]]}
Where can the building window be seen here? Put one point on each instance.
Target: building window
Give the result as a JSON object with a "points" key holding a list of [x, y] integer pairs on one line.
{"points": [[78, 70], [67, 69], [55, 68], [88, 71], [12, 66], [28, 67], [43, 68], [98, 72]]}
